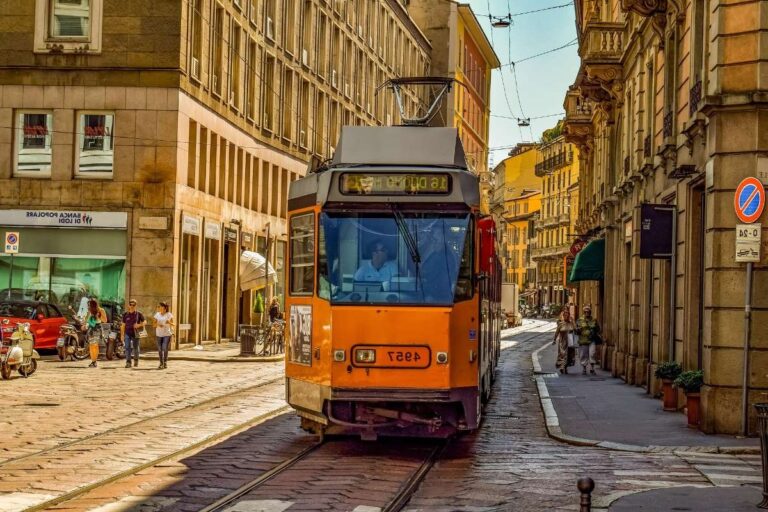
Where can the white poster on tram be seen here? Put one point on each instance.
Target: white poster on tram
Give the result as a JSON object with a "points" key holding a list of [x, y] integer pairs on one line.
{"points": [[301, 334]]}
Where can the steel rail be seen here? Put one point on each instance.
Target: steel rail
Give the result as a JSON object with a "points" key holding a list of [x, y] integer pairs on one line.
{"points": [[235, 495], [137, 422], [410, 486]]}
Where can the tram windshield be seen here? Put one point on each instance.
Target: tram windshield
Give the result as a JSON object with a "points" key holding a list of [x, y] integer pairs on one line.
{"points": [[416, 258]]}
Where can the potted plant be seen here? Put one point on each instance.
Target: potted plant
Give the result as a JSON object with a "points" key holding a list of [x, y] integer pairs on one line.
{"points": [[691, 382], [668, 372]]}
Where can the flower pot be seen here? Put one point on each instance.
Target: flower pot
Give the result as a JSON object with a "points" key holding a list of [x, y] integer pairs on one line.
{"points": [[670, 395], [692, 406]]}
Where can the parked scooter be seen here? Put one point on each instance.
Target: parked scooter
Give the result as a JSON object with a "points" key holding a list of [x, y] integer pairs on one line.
{"points": [[71, 342], [17, 352]]}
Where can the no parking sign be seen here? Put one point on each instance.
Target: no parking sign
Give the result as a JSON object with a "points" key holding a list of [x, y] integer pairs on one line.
{"points": [[749, 200], [12, 242]]}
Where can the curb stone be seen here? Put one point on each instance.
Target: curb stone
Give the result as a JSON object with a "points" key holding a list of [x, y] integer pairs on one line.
{"points": [[227, 359], [552, 423]]}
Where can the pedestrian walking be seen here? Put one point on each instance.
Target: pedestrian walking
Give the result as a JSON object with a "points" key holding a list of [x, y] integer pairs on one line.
{"points": [[163, 332], [94, 316], [131, 329], [564, 338], [589, 336]]}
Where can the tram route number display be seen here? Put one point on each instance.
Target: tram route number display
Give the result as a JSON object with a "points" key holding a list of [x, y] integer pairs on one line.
{"points": [[394, 184], [301, 334]]}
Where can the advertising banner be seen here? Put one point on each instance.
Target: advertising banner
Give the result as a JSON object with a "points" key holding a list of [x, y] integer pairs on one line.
{"points": [[301, 334]]}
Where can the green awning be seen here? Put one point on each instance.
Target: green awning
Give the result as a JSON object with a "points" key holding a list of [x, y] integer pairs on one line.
{"points": [[589, 262]]}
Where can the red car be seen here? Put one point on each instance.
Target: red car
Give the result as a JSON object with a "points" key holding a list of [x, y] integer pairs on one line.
{"points": [[44, 319]]}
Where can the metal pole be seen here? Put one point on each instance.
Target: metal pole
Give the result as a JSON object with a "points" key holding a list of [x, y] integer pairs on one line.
{"points": [[673, 289], [10, 278], [745, 382]]}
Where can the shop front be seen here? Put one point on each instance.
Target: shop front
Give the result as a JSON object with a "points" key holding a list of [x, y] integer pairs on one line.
{"points": [[65, 256]]}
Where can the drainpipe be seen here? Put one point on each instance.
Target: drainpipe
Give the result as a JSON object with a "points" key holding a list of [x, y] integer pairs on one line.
{"points": [[673, 289]]}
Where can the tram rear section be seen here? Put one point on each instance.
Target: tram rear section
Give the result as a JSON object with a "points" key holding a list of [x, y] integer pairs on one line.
{"points": [[393, 296]]}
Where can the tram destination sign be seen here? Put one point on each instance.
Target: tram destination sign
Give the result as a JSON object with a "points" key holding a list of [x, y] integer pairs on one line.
{"points": [[394, 184]]}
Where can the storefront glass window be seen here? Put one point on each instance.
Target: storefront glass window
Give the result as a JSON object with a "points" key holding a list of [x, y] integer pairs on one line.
{"points": [[63, 281], [95, 144], [33, 143]]}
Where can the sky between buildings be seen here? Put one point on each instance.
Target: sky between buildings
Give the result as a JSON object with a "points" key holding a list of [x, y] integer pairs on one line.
{"points": [[542, 80]]}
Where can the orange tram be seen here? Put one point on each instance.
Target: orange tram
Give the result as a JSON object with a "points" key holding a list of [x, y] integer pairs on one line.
{"points": [[394, 286]]}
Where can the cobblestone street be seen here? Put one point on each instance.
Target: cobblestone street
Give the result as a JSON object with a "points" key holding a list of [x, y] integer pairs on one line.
{"points": [[184, 438]]}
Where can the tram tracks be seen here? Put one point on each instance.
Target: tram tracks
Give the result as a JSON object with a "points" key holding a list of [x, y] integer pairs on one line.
{"points": [[395, 503]]}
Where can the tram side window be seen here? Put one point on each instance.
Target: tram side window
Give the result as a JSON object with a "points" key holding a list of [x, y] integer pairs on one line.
{"points": [[302, 254]]}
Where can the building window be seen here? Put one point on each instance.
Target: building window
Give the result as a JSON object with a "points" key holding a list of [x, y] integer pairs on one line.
{"points": [[95, 145], [32, 156], [68, 26]]}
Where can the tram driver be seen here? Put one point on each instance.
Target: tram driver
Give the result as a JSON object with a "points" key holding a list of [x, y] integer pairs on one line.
{"points": [[379, 269]]}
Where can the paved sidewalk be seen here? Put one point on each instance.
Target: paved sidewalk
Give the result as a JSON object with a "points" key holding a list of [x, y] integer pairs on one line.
{"points": [[712, 499], [602, 410], [226, 352]]}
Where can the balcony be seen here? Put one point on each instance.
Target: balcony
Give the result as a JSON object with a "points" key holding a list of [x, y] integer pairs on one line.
{"points": [[550, 164], [577, 126], [601, 52], [564, 218]]}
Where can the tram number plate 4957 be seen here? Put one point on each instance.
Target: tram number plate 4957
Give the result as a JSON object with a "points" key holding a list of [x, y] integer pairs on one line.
{"points": [[399, 356]]}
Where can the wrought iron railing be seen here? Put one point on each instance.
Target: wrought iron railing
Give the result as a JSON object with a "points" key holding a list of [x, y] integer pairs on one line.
{"points": [[668, 122], [695, 98]]}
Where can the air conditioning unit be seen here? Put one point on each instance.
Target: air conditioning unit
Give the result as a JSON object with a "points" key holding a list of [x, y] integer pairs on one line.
{"points": [[270, 33], [303, 139], [195, 68], [333, 78], [305, 57]]}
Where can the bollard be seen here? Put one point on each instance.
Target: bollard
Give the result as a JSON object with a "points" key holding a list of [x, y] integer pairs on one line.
{"points": [[762, 429], [586, 485]]}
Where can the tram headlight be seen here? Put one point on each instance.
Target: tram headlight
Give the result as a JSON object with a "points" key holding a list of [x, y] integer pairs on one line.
{"points": [[339, 355], [365, 355], [442, 357]]}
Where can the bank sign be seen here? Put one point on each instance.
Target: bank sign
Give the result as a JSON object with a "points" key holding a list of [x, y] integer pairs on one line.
{"points": [[64, 218]]}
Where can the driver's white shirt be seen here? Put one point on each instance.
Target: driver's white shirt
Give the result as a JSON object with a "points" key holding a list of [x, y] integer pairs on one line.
{"points": [[367, 272]]}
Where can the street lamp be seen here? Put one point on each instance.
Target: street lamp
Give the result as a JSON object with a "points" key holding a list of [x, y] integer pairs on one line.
{"points": [[501, 21]]}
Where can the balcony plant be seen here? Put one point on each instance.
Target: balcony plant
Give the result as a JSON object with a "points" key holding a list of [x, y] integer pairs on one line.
{"points": [[691, 382], [668, 372]]}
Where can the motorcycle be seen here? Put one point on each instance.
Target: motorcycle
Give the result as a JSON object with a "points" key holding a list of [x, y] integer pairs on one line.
{"points": [[71, 342], [17, 352]]}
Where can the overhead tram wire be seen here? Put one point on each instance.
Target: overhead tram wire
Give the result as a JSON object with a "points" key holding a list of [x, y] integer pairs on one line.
{"points": [[513, 14], [501, 73]]}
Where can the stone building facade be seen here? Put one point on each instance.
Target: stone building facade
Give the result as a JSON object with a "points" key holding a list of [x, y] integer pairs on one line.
{"points": [[669, 108], [558, 169], [145, 145]]}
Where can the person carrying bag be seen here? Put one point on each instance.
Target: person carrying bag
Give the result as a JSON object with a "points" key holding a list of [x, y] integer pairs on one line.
{"points": [[132, 329], [564, 339]]}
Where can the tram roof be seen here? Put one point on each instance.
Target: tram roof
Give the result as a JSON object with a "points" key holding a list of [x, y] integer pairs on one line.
{"points": [[400, 145], [410, 149]]}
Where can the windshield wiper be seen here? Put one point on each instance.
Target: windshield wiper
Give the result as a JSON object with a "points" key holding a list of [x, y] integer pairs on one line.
{"points": [[410, 243]]}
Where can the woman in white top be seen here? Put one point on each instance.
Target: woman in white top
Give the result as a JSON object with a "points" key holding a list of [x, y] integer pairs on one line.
{"points": [[163, 331]]}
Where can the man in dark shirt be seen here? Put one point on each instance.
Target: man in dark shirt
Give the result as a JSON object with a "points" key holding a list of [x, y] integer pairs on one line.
{"points": [[133, 320]]}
